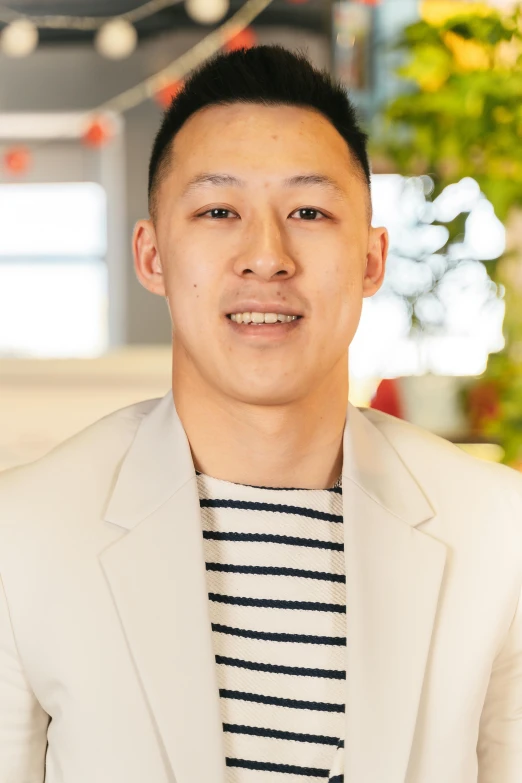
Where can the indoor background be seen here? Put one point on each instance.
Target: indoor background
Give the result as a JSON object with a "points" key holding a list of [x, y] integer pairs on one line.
{"points": [[438, 86]]}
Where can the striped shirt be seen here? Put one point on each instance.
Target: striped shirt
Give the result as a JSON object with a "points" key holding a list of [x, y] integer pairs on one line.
{"points": [[276, 586]]}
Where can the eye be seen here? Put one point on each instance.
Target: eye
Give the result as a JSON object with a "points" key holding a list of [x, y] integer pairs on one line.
{"points": [[215, 210], [309, 213]]}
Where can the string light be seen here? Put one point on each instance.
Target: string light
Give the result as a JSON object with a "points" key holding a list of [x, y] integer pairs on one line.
{"points": [[19, 38], [62, 22], [101, 122], [206, 11], [188, 61], [116, 39]]}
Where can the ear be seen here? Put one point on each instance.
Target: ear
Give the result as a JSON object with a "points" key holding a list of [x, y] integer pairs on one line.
{"points": [[147, 262], [375, 260]]}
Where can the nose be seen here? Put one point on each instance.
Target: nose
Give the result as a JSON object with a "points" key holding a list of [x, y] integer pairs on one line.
{"points": [[265, 253]]}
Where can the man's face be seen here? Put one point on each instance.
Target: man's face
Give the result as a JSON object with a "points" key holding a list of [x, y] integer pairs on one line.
{"points": [[261, 246]]}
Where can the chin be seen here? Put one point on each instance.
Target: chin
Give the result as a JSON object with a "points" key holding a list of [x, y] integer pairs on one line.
{"points": [[267, 396]]}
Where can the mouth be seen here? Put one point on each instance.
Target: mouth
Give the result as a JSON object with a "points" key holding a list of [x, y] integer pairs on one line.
{"points": [[249, 318], [270, 329]]}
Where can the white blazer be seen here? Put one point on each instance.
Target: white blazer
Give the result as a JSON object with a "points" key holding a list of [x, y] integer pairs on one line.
{"points": [[107, 671]]}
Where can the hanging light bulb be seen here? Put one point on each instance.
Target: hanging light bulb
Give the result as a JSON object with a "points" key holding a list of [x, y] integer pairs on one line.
{"points": [[206, 11], [116, 39], [19, 38]]}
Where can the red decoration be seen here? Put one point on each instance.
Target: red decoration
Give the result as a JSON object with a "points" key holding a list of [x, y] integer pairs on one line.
{"points": [[165, 95], [17, 160], [245, 39], [387, 398], [483, 403], [98, 132]]}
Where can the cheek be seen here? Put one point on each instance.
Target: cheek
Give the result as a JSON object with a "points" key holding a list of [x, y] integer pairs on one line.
{"points": [[343, 303], [342, 284], [191, 281], [189, 309]]}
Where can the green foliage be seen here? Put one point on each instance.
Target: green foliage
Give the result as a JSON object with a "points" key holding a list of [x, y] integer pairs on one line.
{"points": [[460, 114]]}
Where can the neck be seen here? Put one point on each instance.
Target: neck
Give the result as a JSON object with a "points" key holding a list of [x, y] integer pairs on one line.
{"points": [[299, 444]]}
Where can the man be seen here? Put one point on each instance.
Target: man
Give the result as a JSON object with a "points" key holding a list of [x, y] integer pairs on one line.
{"points": [[248, 580]]}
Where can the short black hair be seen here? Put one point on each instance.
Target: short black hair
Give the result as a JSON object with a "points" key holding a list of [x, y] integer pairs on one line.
{"points": [[266, 75]]}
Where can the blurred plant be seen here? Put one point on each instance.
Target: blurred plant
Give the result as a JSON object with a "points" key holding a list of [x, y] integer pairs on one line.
{"points": [[461, 116], [466, 116]]}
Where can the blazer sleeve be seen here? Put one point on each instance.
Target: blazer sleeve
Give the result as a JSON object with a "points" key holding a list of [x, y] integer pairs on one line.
{"points": [[23, 722], [499, 748]]}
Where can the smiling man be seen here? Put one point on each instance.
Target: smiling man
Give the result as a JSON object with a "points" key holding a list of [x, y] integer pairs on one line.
{"points": [[249, 580]]}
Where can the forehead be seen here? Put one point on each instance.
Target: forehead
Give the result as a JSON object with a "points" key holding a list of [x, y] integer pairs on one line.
{"points": [[262, 138]]}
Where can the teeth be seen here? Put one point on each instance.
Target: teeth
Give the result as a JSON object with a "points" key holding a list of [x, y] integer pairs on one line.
{"points": [[261, 318]]}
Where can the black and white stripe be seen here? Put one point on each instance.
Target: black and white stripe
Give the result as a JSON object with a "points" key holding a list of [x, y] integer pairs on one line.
{"points": [[276, 586]]}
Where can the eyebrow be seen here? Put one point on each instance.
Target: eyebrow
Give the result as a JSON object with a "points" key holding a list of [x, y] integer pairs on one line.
{"points": [[298, 180]]}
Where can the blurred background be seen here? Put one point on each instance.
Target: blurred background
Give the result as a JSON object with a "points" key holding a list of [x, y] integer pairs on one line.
{"points": [[438, 86]]}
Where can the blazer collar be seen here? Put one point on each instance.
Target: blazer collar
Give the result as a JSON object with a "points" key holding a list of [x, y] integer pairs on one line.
{"points": [[375, 466], [159, 462]]}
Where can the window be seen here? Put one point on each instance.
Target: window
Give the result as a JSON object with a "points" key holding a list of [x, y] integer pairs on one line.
{"points": [[53, 275]]}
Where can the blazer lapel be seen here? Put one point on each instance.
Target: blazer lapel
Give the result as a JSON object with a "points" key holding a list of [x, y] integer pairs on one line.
{"points": [[393, 577], [156, 574]]}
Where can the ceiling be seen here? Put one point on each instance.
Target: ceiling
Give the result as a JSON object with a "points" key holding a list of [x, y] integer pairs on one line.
{"points": [[310, 15]]}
